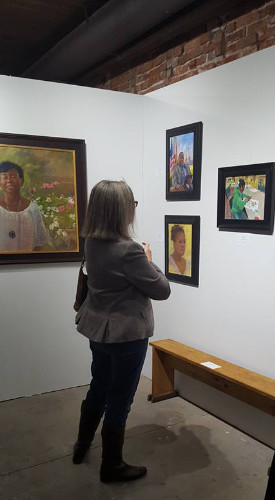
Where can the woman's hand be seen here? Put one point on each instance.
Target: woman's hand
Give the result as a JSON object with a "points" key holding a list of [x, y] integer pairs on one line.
{"points": [[147, 251]]}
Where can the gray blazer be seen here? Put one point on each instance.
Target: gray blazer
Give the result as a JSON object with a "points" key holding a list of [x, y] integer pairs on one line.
{"points": [[121, 283]]}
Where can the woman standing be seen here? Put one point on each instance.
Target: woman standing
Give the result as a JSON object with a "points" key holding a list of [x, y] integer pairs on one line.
{"points": [[117, 318]]}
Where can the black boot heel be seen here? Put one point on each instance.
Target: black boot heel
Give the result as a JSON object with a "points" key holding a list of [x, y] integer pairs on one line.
{"points": [[80, 451]]}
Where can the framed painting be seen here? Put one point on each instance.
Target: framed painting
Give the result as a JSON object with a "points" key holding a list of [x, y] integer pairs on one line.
{"points": [[43, 196], [246, 198], [183, 162], [182, 248]]}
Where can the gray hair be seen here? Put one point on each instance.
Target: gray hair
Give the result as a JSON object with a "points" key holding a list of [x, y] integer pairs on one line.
{"points": [[111, 211]]}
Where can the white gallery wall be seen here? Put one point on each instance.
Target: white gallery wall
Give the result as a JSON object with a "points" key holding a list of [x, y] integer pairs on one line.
{"points": [[40, 349], [232, 313]]}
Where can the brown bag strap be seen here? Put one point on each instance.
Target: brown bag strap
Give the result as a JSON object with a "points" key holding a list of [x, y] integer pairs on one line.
{"points": [[83, 258], [82, 286]]}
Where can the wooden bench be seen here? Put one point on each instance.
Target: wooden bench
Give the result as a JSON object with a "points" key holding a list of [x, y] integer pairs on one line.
{"points": [[245, 385]]}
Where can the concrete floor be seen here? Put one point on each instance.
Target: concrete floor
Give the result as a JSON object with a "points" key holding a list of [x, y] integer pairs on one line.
{"points": [[189, 454]]}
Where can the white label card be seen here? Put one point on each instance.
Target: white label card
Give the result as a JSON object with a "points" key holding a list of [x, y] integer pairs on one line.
{"points": [[160, 237], [160, 172], [210, 365], [244, 240]]}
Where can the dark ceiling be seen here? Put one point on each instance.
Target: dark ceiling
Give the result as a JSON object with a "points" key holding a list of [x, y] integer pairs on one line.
{"points": [[87, 42]]}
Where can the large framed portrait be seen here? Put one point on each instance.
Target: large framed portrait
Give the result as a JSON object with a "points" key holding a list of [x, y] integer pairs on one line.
{"points": [[246, 198], [43, 196], [183, 162], [182, 248]]}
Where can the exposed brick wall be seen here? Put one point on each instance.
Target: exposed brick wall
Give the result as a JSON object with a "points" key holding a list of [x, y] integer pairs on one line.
{"points": [[242, 36]]}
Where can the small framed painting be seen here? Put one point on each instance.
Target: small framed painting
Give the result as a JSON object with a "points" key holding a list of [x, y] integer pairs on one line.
{"points": [[183, 162], [182, 248], [43, 196], [246, 198]]}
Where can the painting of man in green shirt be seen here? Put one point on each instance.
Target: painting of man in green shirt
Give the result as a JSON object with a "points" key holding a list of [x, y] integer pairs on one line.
{"points": [[239, 200]]}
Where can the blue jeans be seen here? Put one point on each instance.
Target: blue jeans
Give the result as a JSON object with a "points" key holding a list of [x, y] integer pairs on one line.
{"points": [[116, 370], [240, 215]]}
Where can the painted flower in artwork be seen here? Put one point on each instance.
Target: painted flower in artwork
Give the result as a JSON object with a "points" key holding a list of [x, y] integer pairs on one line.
{"points": [[58, 211]]}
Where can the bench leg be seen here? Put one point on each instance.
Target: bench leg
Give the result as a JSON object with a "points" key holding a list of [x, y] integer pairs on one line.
{"points": [[163, 377]]}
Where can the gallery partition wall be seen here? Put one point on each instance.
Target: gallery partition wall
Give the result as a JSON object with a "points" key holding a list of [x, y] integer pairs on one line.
{"points": [[231, 314], [40, 348]]}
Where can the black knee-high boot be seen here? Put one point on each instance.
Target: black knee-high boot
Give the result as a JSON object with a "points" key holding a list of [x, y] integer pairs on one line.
{"points": [[270, 490], [88, 424], [113, 468]]}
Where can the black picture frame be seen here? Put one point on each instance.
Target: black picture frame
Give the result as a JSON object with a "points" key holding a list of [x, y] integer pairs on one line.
{"points": [[191, 227], [186, 140], [258, 214], [55, 181]]}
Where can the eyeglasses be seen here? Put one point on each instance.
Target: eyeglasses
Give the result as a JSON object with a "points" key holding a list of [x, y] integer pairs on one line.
{"points": [[136, 204]]}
